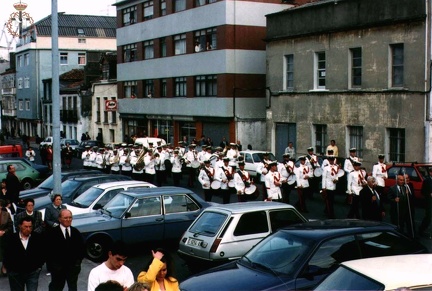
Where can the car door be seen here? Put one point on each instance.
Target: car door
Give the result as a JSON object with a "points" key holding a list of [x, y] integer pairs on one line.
{"points": [[143, 221], [180, 211]]}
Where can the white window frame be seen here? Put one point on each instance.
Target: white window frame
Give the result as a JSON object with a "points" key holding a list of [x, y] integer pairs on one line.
{"points": [[27, 105], [180, 44], [82, 56], [26, 82], [319, 73], [20, 105], [288, 72], [20, 83], [64, 58]]}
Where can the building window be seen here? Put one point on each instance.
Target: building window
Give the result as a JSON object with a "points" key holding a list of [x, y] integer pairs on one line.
{"points": [[397, 144], [148, 49], [162, 7], [356, 67], [163, 88], [397, 59], [27, 105], [320, 138], [148, 10], [20, 61], [205, 39], [20, 83], [81, 40], [320, 70], [106, 117], [130, 89], [289, 69], [180, 44], [81, 58], [63, 58], [129, 53], [163, 48], [356, 139], [180, 87], [98, 109], [179, 5], [113, 113], [206, 86], [26, 82], [129, 15], [20, 105], [149, 88], [27, 59]]}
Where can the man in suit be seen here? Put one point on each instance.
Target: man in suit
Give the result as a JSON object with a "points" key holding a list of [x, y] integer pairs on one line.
{"points": [[65, 251], [34, 214], [371, 204], [13, 186], [24, 257], [400, 208]]}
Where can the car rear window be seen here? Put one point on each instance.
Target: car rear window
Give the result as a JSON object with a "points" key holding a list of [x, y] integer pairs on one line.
{"points": [[209, 223], [252, 223], [282, 218]]}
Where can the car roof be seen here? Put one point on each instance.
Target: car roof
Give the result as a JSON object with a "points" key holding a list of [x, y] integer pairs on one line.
{"points": [[241, 207], [254, 152], [396, 271], [92, 176], [330, 227], [157, 191], [80, 172], [107, 185]]}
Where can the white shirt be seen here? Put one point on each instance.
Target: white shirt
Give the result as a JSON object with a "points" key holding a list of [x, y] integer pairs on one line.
{"points": [[330, 177], [301, 173], [379, 172], [356, 180], [273, 191], [102, 273], [24, 240]]}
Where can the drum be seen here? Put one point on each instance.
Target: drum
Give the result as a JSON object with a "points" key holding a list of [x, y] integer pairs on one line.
{"points": [[215, 185], [318, 172], [291, 179], [231, 183], [195, 164], [340, 173], [250, 190]]}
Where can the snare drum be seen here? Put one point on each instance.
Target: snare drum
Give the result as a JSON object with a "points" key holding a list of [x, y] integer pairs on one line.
{"points": [[231, 183], [318, 172], [250, 190], [340, 173], [215, 184], [195, 164], [291, 179]]}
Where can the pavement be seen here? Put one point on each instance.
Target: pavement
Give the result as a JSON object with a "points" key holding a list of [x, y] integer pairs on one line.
{"points": [[136, 262]]}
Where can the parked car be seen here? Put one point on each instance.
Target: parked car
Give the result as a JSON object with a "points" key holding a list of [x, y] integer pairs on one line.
{"points": [[300, 256], [417, 172], [226, 232], [139, 216], [144, 141], [48, 141], [11, 151], [42, 169], [99, 195], [252, 159], [28, 175], [46, 186], [75, 186], [409, 272], [91, 143]]}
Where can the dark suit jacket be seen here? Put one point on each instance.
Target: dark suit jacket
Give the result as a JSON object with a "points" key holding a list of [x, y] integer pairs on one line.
{"points": [[13, 187], [62, 254], [52, 214], [371, 210], [400, 208], [37, 220], [18, 259], [6, 221]]}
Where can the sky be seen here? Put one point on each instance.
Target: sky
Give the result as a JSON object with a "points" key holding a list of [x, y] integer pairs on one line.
{"points": [[39, 9]]}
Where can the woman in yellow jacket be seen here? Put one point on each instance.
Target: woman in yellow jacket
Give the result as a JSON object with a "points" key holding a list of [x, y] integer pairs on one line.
{"points": [[159, 273]]}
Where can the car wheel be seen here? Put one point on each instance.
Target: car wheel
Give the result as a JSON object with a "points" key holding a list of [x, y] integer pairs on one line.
{"points": [[97, 248], [27, 184]]}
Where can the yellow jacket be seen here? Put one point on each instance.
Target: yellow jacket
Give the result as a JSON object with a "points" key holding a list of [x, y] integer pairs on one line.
{"points": [[149, 277]]}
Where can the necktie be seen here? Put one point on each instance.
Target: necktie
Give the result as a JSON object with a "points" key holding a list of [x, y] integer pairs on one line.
{"points": [[67, 233]]}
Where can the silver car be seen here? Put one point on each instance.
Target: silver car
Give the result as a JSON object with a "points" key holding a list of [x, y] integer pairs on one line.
{"points": [[226, 232]]}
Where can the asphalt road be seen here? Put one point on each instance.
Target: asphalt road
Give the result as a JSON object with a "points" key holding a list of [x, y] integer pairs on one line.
{"points": [[141, 257]]}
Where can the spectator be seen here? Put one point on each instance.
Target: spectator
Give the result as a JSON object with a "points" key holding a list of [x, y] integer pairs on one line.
{"points": [[139, 286], [30, 154], [13, 186], [52, 211], [110, 285], [112, 269], [49, 156], [6, 227], [290, 150], [35, 215], [333, 146]]}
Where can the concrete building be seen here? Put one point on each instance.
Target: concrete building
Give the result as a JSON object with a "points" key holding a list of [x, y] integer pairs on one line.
{"points": [[82, 39], [8, 94], [356, 71], [192, 68]]}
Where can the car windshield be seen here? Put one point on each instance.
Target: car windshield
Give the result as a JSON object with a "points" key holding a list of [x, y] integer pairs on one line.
{"points": [[346, 279], [281, 253], [208, 224], [118, 205], [71, 141], [258, 157], [48, 183], [68, 187], [87, 198]]}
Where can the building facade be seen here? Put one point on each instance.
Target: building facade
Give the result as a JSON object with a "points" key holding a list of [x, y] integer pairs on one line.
{"points": [[354, 71], [81, 37], [193, 68], [8, 96]]}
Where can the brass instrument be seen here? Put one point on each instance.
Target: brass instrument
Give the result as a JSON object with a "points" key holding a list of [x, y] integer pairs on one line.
{"points": [[139, 165], [116, 159]]}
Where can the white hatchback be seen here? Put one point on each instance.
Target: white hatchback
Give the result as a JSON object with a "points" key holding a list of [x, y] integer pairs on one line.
{"points": [[97, 196]]}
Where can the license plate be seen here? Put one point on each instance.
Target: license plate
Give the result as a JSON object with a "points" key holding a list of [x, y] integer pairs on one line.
{"points": [[194, 242]]}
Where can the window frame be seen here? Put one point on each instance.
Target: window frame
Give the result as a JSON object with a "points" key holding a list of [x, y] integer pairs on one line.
{"points": [[64, 58], [148, 47], [130, 53], [206, 86], [356, 67], [179, 44], [127, 13], [397, 144], [147, 6], [82, 56], [397, 60], [289, 72], [180, 87], [206, 39], [320, 136], [177, 4], [130, 89], [356, 139], [320, 70]]}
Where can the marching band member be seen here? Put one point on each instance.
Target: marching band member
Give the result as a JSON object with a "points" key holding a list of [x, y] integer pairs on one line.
{"points": [[189, 157], [356, 181], [92, 158], [379, 172], [86, 157], [286, 168], [181, 148], [233, 152], [326, 161], [329, 180], [224, 174], [205, 177], [106, 160], [242, 181], [115, 162], [126, 167], [30, 154], [262, 169], [273, 183], [137, 162], [176, 169], [303, 174], [99, 162], [313, 163], [160, 166], [348, 165], [149, 162]]}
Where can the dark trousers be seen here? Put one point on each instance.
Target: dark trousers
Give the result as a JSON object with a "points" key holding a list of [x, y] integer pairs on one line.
{"points": [[329, 203], [60, 276], [160, 178], [176, 178], [115, 172], [302, 194], [428, 214], [225, 193], [208, 194], [354, 211], [20, 281], [138, 176], [127, 173], [149, 178], [192, 175], [286, 191]]}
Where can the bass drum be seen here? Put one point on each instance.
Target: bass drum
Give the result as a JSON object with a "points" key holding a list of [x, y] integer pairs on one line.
{"points": [[340, 173], [291, 179], [195, 164], [318, 172], [250, 190], [231, 183], [215, 185]]}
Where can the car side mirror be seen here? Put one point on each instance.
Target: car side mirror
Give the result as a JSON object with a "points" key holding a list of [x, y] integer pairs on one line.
{"points": [[97, 206], [127, 215]]}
